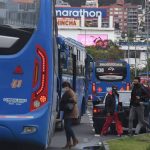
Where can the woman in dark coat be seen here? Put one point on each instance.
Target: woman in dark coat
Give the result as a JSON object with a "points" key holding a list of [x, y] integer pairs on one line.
{"points": [[69, 98]]}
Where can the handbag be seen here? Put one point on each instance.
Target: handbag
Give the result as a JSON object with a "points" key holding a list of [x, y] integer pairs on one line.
{"points": [[69, 107]]}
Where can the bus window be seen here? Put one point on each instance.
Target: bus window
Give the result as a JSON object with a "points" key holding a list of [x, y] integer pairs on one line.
{"points": [[63, 60], [20, 25], [90, 70], [110, 71]]}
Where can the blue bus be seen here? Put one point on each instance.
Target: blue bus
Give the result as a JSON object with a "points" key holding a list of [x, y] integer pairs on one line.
{"points": [[28, 63], [72, 69], [106, 73]]}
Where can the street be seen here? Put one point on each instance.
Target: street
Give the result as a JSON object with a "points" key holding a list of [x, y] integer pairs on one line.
{"points": [[84, 132]]}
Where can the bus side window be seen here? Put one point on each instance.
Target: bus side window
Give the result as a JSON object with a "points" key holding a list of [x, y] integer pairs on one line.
{"points": [[63, 60], [90, 70]]}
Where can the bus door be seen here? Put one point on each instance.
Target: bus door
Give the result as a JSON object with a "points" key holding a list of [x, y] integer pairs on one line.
{"points": [[62, 62], [88, 76]]}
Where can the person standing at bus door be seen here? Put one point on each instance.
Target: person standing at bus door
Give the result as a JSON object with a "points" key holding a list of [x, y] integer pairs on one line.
{"points": [[112, 107], [138, 94], [69, 97]]}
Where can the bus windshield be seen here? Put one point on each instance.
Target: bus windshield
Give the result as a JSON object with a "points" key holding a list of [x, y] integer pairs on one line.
{"points": [[107, 71], [18, 21], [19, 13]]}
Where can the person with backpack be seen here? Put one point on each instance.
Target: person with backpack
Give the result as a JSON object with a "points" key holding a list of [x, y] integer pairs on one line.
{"points": [[138, 95], [68, 104], [112, 107]]}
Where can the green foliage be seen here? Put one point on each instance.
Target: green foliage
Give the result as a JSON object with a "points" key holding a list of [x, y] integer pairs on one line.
{"points": [[140, 142], [145, 69], [148, 148], [132, 71], [123, 35], [111, 53], [130, 35]]}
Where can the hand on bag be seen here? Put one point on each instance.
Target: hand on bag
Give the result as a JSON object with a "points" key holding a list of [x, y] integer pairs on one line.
{"points": [[138, 97]]}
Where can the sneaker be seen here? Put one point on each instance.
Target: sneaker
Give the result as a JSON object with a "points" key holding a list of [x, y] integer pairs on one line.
{"points": [[119, 135], [130, 134]]}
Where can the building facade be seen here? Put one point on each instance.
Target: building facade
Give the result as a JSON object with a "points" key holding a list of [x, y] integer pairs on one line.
{"points": [[147, 16], [84, 24], [125, 15], [135, 53], [91, 3]]}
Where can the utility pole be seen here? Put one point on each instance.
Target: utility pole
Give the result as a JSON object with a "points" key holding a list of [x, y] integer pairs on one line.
{"points": [[135, 61], [147, 29], [128, 47]]}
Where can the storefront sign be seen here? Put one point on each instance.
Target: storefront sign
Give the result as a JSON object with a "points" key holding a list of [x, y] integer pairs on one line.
{"points": [[68, 22], [78, 12]]}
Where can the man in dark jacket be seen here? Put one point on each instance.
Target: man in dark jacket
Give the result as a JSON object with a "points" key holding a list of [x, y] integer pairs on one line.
{"points": [[138, 95], [112, 107]]}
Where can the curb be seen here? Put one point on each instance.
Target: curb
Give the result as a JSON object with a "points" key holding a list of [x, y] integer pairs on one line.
{"points": [[105, 145]]}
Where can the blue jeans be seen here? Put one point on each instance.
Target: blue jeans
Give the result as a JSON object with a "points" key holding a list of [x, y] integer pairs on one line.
{"points": [[68, 129], [139, 110]]}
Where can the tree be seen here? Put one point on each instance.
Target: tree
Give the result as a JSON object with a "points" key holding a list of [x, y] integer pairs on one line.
{"points": [[130, 35], [146, 67], [123, 35], [113, 52]]}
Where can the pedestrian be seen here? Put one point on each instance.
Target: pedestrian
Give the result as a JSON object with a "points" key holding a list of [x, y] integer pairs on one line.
{"points": [[69, 106], [112, 107], [138, 95]]}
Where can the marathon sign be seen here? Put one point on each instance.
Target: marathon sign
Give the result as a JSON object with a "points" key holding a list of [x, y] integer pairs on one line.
{"points": [[73, 12]]}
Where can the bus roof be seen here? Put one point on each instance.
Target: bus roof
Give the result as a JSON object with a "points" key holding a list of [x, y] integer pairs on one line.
{"points": [[144, 73], [75, 43]]}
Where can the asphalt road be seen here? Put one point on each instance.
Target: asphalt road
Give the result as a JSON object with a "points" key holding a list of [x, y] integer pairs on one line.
{"points": [[84, 132]]}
